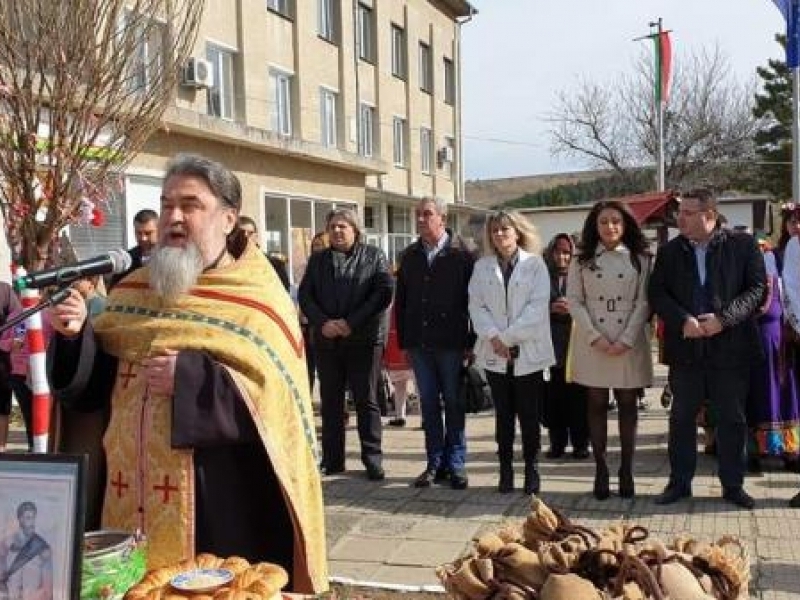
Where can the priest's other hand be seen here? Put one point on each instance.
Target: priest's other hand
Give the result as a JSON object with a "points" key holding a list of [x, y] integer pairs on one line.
{"points": [[68, 317], [160, 373]]}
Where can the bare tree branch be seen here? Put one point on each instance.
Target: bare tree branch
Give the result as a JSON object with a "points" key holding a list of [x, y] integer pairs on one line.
{"points": [[83, 84], [708, 121]]}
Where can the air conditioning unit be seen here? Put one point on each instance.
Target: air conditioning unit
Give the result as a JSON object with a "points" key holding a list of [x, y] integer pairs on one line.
{"points": [[197, 73], [446, 154]]}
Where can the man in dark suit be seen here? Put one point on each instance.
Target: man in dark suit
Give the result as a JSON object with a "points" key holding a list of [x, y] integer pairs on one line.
{"points": [[706, 286], [145, 227]]}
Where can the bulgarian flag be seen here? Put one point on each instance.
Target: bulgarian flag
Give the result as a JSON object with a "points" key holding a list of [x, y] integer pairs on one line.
{"points": [[663, 65], [790, 9]]}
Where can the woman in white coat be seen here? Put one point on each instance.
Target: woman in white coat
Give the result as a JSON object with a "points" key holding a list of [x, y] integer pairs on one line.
{"points": [[509, 304], [610, 346]]}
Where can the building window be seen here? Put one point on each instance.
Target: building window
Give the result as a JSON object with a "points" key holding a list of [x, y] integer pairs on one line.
{"points": [[366, 34], [147, 65], [366, 131], [400, 145], [326, 19], [425, 68], [398, 52], [449, 82], [220, 97], [328, 118], [425, 149], [281, 109], [282, 7], [369, 217]]}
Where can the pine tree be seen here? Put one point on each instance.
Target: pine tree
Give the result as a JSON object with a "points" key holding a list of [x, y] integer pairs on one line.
{"points": [[773, 106]]}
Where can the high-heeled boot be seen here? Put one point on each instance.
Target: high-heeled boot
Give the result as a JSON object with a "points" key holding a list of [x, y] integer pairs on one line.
{"points": [[628, 417], [597, 409]]}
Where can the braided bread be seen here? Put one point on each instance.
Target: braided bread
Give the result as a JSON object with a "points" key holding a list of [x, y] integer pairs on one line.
{"points": [[262, 581]]}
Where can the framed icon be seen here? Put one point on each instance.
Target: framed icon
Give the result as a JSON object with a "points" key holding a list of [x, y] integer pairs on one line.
{"points": [[42, 503]]}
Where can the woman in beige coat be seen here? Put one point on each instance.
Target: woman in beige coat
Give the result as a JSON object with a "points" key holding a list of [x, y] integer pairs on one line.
{"points": [[610, 348]]}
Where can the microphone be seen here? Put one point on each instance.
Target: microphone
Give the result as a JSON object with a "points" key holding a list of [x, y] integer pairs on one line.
{"points": [[115, 261]]}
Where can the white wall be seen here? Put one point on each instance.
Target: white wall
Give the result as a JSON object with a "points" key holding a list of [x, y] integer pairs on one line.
{"points": [[549, 224]]}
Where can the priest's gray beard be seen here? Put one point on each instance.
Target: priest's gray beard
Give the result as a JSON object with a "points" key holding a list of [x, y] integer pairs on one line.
{"points": [[173, 271]]}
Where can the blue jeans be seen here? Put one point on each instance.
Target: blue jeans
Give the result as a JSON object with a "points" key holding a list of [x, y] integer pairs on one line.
{"points": [[437, 373]]}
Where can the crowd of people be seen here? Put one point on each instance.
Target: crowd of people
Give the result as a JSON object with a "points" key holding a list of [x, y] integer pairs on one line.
{"points": [[189, 387]]}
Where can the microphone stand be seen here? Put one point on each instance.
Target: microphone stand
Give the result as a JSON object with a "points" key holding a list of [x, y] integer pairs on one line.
{"points": [[56, 298]]}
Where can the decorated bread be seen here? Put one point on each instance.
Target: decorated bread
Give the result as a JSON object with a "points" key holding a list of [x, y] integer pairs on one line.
{"points": [[260, 581]]}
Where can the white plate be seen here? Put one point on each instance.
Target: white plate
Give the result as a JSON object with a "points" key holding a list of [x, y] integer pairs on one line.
{"points": [[201, 580]]}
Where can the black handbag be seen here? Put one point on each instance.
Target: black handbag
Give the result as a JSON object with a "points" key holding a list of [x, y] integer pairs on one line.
{"points": [[474, 392]]}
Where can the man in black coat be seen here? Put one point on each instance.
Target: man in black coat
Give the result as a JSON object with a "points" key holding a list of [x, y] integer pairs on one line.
{"points": [[344, 294], [145, 227], [706, 286], [432, 316]]}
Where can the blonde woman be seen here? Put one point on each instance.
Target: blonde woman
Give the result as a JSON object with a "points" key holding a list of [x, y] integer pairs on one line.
{"points": [[607, 295], [509, 304]]}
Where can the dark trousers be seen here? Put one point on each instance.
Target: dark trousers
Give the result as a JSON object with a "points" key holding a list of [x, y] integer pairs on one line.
{"points": [[726, 391], [24, 397], [517, 398], [565, 413], [349, 367]]}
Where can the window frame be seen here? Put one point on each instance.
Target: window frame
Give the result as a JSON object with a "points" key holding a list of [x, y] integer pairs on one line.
{"points": [[449, 81], [399, 141], [146, 69], [426, 150], [366, 130], [227, 97], [425, 67], [326, 21], [399, 52], [281, 121], [284, 8], [329, 118], [365, 26]]}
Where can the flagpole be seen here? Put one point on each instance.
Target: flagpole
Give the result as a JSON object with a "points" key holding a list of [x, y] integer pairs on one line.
{"points": [[795, 133], [659, 103], [660, 123]]}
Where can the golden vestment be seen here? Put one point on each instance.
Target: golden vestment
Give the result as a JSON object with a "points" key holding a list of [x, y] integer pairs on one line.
{"points": [[241, 316]]}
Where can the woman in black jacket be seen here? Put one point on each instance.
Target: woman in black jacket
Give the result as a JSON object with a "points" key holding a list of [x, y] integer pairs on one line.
{"points": [[565, 403]]}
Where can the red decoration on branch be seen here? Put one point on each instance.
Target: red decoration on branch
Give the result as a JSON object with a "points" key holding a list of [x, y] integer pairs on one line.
{"points": [[98, 218]]}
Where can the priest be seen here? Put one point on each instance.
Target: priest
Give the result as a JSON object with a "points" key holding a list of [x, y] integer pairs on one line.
{"points": [[197, 366]]}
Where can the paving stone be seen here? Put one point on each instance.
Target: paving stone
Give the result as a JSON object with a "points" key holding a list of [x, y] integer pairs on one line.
{"points": [[422, 553], [443, 530], [355, 570], [362, 548], [410, 576], [385, 526]]}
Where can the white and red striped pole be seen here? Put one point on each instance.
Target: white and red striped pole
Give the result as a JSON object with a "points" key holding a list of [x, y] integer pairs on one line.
{"points": [[37, 369]]}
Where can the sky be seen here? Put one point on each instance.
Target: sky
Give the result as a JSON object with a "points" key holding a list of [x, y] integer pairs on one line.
{"points": [[519, 54]]}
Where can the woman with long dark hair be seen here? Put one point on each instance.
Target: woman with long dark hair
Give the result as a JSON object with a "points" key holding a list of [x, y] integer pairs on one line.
{"points": [[609, 347]]}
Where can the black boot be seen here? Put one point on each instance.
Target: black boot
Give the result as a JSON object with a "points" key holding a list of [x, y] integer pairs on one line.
{"points": [[628, 417], [531, 478], [506, 483], [597, 410]]}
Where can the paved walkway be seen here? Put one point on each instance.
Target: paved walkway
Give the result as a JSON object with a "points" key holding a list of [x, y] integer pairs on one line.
{"points": [[390, 533]]}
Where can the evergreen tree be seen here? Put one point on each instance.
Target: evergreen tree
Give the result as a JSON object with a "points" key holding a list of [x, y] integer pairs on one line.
{"points": [[773, 140]]}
